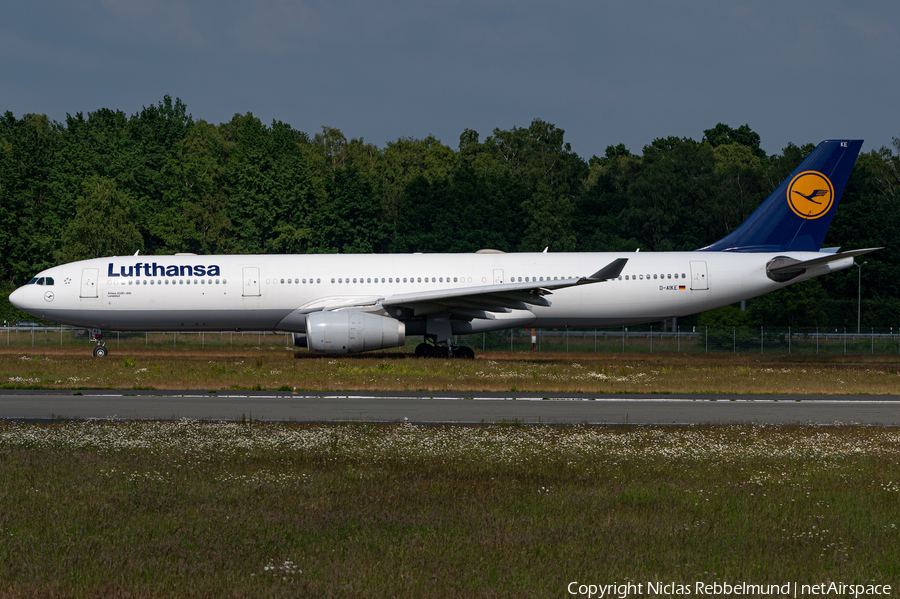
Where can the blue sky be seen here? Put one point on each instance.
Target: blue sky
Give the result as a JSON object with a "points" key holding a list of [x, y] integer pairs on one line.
{"points": [[606, 72]]}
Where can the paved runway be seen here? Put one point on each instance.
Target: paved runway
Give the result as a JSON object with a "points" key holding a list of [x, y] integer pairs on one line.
{"points": [[453, 408]]}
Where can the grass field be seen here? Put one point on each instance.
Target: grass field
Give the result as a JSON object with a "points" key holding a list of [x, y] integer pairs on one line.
{"points": [[55, 368], [185, 509]]}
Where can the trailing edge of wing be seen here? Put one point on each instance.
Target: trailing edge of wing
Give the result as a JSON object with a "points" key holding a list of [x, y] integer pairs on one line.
{"points": [[528, 293], [488, 298], [473, 302]]}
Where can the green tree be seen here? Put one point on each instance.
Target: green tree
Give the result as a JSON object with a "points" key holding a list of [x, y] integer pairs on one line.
{"points": [[552, 175], [668, 194], [349, 218], [798, 305], [597, 217], [269, 183], [402, 162], [29, 193], [201, 157], [156, 176], [464, 213], [722, 135], [104, 224]]}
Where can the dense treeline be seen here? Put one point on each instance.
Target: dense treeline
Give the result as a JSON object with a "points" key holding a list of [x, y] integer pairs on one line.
{"points": [[161, 182]]}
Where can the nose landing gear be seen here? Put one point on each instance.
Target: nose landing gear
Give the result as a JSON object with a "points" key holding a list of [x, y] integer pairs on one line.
{"points": [[100, 351]]}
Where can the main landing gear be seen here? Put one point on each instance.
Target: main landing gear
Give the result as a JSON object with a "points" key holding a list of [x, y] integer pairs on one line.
{"points": [[443, 349], [100, 351]]}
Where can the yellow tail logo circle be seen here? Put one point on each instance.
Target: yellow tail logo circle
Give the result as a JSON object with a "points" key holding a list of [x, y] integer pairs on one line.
{"points": [[810, 195]]}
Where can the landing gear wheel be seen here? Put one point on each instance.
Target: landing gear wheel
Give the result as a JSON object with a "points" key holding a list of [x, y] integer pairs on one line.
{"points": [[439, 352], [463, 353], [100, 351], [424, 349]]}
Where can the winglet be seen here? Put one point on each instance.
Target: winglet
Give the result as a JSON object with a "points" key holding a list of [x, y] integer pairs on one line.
{"points": [[610, 271]]}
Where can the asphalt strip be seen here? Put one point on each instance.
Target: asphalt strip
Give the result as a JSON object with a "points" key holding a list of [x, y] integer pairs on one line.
{"points": [[473, 398]]}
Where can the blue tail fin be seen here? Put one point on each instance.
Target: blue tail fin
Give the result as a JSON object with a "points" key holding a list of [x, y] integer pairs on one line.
{"points": [[797, 214]]}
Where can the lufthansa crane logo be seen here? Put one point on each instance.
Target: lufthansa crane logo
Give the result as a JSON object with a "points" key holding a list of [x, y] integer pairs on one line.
{"points": [[810, 195]]}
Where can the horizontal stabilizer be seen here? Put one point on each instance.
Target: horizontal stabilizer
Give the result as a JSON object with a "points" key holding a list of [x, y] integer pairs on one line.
{"points": [[784, 268], [822, 260]]}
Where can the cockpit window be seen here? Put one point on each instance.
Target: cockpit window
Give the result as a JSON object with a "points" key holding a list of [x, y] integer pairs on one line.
{"points": [[32, 281], [48, 281]]}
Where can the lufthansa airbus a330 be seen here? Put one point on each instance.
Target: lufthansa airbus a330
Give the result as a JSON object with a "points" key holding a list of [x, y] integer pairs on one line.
{"points": [[359, 302]]}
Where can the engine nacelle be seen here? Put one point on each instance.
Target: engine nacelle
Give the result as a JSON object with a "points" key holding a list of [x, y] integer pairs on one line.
{"points": [[349, 332]]}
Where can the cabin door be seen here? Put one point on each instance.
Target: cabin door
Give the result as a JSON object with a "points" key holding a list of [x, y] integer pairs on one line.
{"points": [[698, 275], [251, 281], [89, 282]]}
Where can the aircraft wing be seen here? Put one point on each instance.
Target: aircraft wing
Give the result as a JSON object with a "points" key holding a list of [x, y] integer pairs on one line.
{"points": [[478, 301], [483, 300]]}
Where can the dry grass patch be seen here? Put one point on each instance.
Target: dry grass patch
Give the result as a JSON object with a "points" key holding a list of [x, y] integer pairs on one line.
{"points": [[504, 372]]}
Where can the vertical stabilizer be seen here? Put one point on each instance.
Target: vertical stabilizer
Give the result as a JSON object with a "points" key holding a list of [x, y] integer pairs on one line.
{"points": [[797, 214]]}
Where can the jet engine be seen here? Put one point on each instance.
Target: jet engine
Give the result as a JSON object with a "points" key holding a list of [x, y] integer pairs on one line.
{"points": [[349, 332]]}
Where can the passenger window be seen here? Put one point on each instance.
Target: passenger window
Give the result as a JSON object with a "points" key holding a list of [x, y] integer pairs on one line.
{"points": [[654, 276], [404, 279], [454, 279], [420, 279], [682, 276]]}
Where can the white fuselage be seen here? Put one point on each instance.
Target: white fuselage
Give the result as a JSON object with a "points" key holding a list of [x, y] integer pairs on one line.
{"points": [[263, 291]]}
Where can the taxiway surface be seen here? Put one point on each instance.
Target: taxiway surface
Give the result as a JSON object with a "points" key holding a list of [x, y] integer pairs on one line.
{"points": [[452, 407]]}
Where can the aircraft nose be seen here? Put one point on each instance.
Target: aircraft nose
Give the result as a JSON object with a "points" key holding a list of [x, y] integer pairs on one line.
{"points": [[18, 299]]}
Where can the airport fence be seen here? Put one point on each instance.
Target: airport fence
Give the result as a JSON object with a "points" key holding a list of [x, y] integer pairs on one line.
{"points": [[735, 340]]}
